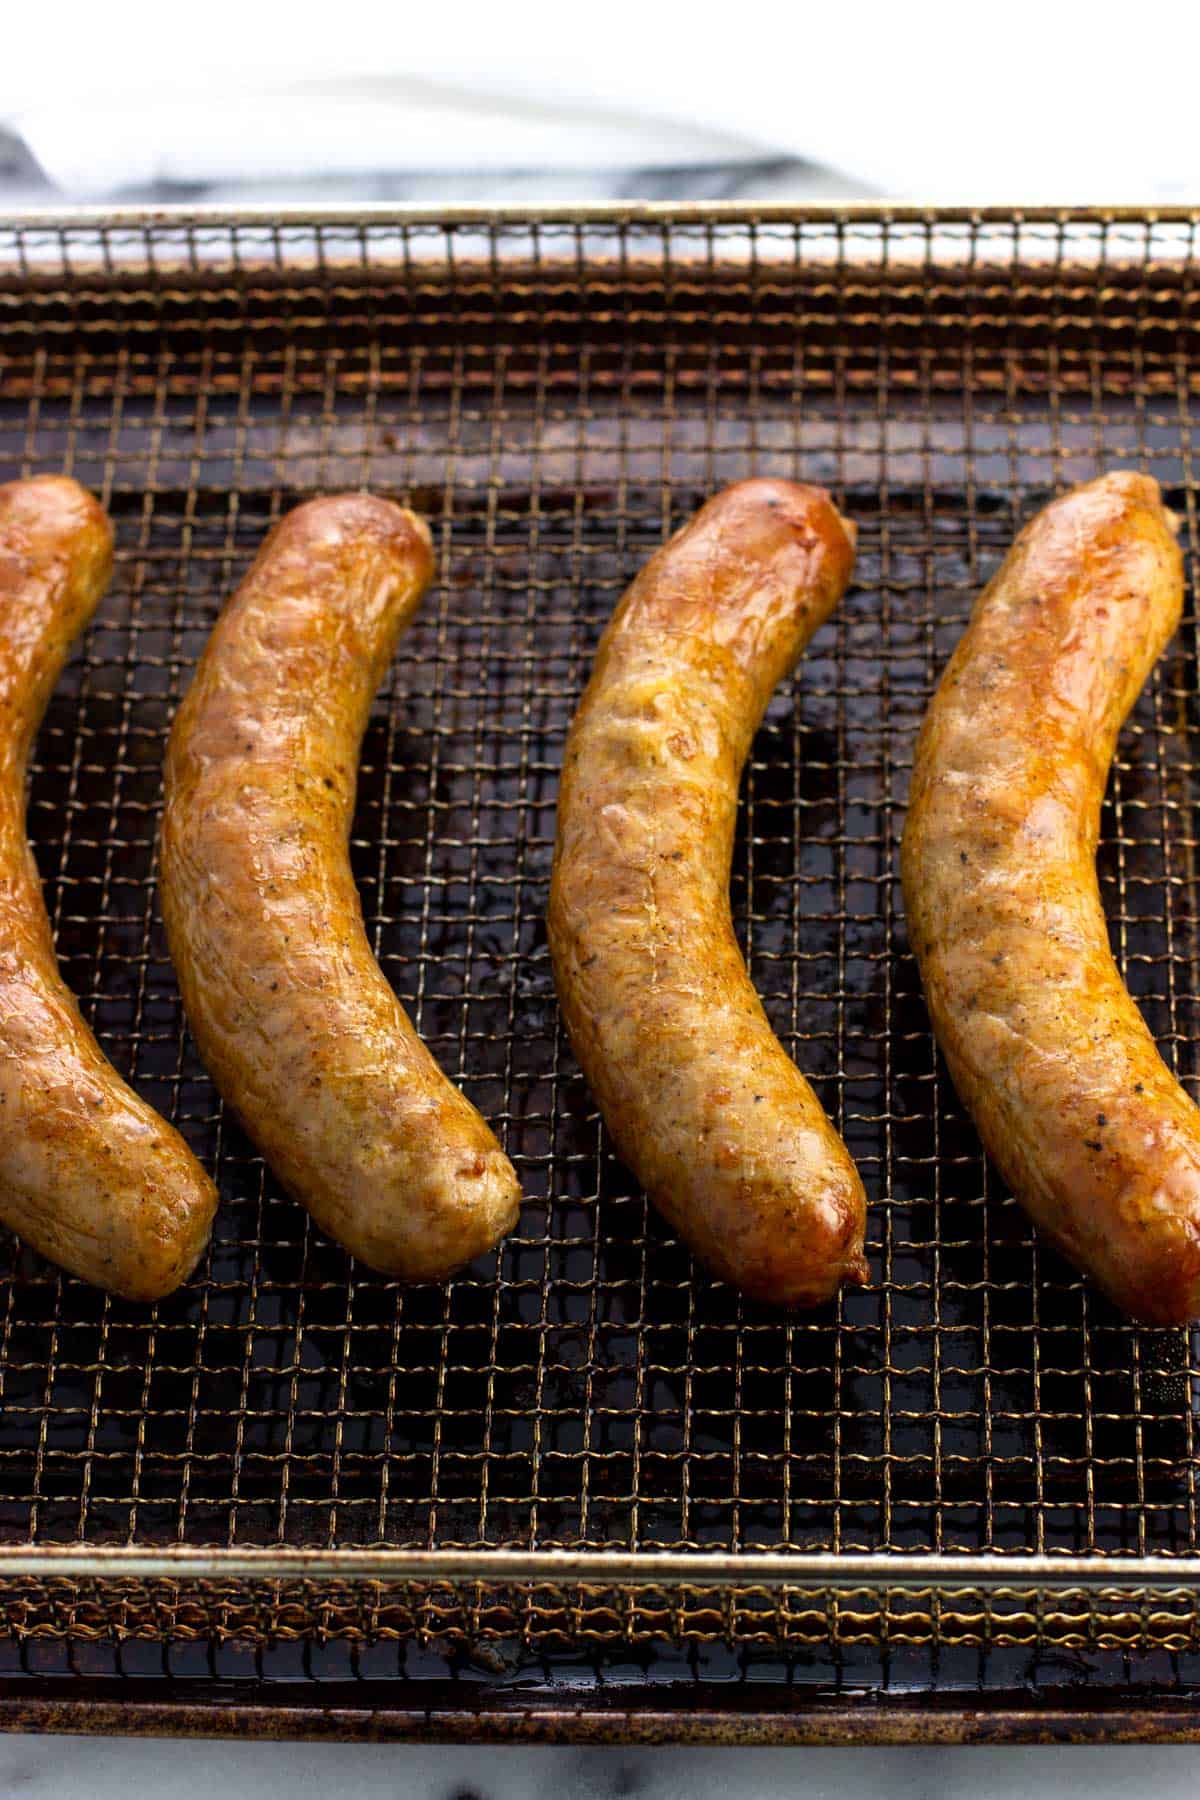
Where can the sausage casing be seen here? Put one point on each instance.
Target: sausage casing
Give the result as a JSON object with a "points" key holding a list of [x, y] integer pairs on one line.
{"points": [[89, 1174], [724, 1133], [292, 1014], [1048, 1051]]}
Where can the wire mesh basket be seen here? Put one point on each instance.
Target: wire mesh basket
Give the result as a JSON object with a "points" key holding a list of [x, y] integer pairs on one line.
{"points": [[584, 1453]]}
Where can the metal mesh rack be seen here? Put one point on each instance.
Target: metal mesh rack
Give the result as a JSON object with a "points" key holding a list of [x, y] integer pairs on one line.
{"points": [[583, 1442]]}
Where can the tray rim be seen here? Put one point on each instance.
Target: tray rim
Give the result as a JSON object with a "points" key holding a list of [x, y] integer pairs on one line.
{"points": [[427, 1712], [640, 212], [1019, 1572]]}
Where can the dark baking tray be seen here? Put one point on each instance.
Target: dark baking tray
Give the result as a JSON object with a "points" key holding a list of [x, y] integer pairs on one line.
{"points": [[295, 1498]]}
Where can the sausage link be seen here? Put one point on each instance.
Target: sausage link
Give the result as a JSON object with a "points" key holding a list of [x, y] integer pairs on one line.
{"points": [[292, 1014], [722, 1130], [1049, 1053], [89, 1174]]}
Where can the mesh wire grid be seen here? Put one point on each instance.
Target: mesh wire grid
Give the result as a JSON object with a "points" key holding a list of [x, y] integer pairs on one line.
{"points": [[556, 395]]}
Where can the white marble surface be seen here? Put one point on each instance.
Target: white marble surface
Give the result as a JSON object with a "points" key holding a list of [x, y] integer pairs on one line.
{"points": [[931, 99], [46, 1768]]}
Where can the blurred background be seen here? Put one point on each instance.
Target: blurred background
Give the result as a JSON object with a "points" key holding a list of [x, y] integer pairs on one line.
{"points": [[543, 104]]}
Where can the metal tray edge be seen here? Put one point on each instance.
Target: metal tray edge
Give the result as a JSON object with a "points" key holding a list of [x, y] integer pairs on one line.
{"points": [[639, 1717]]}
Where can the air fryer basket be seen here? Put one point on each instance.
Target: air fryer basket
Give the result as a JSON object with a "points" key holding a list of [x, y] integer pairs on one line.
{"points": [[297, 1497]]}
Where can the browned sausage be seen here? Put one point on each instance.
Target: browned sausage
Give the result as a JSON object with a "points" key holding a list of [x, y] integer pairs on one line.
{"points": [[722, 1130], [1092, 1133], [292, 1014], [89, 1174]]}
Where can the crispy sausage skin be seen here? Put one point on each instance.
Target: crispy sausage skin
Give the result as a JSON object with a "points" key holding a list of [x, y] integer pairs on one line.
{"points": [[292, 1014], [722, 1130], [1088, 1127], [89, 1174]]}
